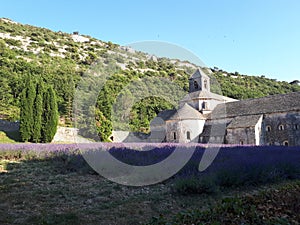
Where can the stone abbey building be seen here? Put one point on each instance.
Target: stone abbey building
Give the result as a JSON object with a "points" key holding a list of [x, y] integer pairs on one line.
{"points": [[207, 117]]}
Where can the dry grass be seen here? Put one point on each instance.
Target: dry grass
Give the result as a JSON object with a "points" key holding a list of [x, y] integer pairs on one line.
{"points": [[45, 192], [4, 138], [41, 192]]}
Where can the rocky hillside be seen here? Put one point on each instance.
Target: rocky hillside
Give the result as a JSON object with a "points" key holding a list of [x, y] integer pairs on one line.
{"points": [[61, 59]]}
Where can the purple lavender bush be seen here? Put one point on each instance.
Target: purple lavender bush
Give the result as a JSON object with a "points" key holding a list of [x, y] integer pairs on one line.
{"points": [[240, 166], [234, 165]]}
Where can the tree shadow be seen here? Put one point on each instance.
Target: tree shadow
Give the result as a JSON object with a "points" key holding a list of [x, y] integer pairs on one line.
{"points": [[40, 191], [13, 135], [10, 130]]}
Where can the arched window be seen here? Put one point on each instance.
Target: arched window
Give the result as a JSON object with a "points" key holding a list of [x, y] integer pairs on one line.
{"points": [[196, 84], [174, 135], [188, 135], [241, 142], [268, 128], [285, 143], [281, 127]]}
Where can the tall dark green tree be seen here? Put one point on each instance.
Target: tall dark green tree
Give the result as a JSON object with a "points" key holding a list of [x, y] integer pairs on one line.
{"points": [[38, 113], [26, 110], [50, 115]]}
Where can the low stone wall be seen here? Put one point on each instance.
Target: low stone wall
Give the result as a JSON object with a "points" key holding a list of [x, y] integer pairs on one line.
{"points": [[65, 134], [9, 126], [68, 135]]}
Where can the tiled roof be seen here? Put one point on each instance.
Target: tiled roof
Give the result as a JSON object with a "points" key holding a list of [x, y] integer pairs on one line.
{"points": [[213, 130], [244, 121], [207, 95], [166, 114], [198, 73], [183, 113], [258, 106]]}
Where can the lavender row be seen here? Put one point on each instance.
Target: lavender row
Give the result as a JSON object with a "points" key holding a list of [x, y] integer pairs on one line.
{"points": [[234, 165]]}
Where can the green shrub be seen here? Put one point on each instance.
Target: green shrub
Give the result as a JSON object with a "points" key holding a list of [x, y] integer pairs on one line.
{"points": [[36, 38], [13, 42]]}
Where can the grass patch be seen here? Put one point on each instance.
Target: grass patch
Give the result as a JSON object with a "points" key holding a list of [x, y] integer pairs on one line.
{"points": [[55, 219], [52, 184], [276, 205], [8, 137], [195, 185]]}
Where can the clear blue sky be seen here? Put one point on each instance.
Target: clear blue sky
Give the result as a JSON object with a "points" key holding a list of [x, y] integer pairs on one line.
{"points": [[258, 37]]}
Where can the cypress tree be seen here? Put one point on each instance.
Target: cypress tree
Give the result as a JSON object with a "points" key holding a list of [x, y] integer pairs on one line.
{"points": [[50, 115], [38, 113], [54, 113], [26, 110]]}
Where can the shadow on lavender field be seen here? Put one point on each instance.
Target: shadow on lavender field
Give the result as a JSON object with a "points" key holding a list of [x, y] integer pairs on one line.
{"points": [[46, 176], [234, 165]]}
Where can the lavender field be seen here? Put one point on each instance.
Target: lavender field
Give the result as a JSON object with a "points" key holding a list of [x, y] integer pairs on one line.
{"points": [[53, 184], [234, 165]]}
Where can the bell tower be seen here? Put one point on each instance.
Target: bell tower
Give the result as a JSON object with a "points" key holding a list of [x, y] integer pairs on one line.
{"points": [[199, 81]]}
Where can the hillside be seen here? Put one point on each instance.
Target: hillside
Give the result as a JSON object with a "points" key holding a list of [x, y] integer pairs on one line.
{"points": [[61, 59]]}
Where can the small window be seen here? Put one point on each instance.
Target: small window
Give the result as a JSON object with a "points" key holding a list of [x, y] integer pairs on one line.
{"points": [[285, 143], [268, 128], [296, 127], [205, 84], [188, 135], [174, 135], [196, 85], [241, 142], [281, 127], [204, 105]]}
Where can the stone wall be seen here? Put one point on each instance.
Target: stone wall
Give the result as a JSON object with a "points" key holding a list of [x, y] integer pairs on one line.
{"points": [[9, 126], [281, 128], [275, 129], [241, 136], [181, 128], [65, 134]]}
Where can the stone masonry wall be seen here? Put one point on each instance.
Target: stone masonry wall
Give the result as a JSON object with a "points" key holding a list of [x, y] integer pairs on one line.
{"points": [[9, 126], [282, 127]]}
